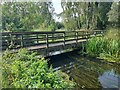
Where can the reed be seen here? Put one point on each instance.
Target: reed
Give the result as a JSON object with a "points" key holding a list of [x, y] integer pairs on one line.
{"points": [[107, 47]]}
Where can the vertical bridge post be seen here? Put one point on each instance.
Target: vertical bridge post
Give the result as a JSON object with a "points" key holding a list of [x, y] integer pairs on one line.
{"points": [[11, 41], [53, 37], [37, 38], [64, 38], [76, 37], [22, 40], [47, 43]]}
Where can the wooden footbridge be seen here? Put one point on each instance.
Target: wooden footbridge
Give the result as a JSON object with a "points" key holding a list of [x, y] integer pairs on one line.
{"points": [[47, 42]]}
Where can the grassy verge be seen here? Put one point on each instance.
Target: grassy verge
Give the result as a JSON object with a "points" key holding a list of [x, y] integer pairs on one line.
{"points": [[107, 47]]}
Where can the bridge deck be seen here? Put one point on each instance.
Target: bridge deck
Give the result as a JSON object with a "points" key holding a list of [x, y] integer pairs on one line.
{"points": [[53, 45]]}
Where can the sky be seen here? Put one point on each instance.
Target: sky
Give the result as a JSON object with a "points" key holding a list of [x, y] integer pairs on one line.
{"points": [[58, 8]]}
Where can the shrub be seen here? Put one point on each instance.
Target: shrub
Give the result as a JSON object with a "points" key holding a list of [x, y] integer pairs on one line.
{"points": [[26, 70], [113, 34], [107, 47]]}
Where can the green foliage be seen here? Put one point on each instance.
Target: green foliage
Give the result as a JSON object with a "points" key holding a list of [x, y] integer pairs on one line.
{"points": [[114, 14], [59, 25], [25, 16], [87, 15], [107, 47], [103, 9], [25, 70]]}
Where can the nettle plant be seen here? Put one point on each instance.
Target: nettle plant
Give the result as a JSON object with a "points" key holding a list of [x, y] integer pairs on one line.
{"points": [[25, 70]]}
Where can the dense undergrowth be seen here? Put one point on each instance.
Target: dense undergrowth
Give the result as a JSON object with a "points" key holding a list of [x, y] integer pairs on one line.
{"points": [[25, 70], [106, 47]]}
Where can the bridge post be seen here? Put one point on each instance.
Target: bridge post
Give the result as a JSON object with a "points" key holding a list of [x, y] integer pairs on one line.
{"points": [[86, 34], [94, 33], [83, 33], [11, 41], [64, 38], [37, 38], [47, 43], [22, 40], [53, 37], [76, 37]]}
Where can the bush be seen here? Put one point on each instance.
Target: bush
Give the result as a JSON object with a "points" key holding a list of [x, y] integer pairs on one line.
{"points": [[107, 47], [25, 70]]}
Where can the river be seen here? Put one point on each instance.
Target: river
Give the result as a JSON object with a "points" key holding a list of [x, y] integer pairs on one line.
{"points": [[86, 71]]}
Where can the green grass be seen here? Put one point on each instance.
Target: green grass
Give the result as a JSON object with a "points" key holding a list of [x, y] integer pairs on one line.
{"points": [[107, 47]]}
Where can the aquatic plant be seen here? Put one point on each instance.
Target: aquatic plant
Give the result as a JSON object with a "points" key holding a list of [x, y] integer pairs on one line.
{"points": [[107, 47]]}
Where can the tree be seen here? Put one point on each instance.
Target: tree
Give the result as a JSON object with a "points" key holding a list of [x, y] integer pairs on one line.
{"points": [[69, 15], [47, 12], [25, 16], [114, 14], [59, 25], [103, 8], [87, 15]]}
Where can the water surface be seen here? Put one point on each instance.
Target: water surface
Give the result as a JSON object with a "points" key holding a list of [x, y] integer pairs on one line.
{"points": [[86, 71]]}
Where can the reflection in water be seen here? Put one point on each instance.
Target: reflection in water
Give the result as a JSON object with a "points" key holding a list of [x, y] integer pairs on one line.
{"points": [[55, 53], [109, 79], [86, 71]]}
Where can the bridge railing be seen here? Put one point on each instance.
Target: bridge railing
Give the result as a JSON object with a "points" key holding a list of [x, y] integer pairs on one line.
{"points": [[15, 40]]}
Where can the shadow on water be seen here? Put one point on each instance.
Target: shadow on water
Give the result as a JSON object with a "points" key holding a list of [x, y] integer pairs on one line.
{"points": [[86, 71]]}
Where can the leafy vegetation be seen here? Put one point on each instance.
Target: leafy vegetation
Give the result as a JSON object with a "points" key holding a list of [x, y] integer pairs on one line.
{"points": [[114, 15], [26, 70], [107, 47], [86, 15], [27, 16]]}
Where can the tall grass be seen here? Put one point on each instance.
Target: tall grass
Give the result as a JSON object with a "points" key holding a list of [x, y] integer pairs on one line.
{"points": [[107, 47]]}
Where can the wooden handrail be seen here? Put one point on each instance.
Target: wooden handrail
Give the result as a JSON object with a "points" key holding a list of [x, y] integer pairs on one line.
{"points": [[49, 32]]}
